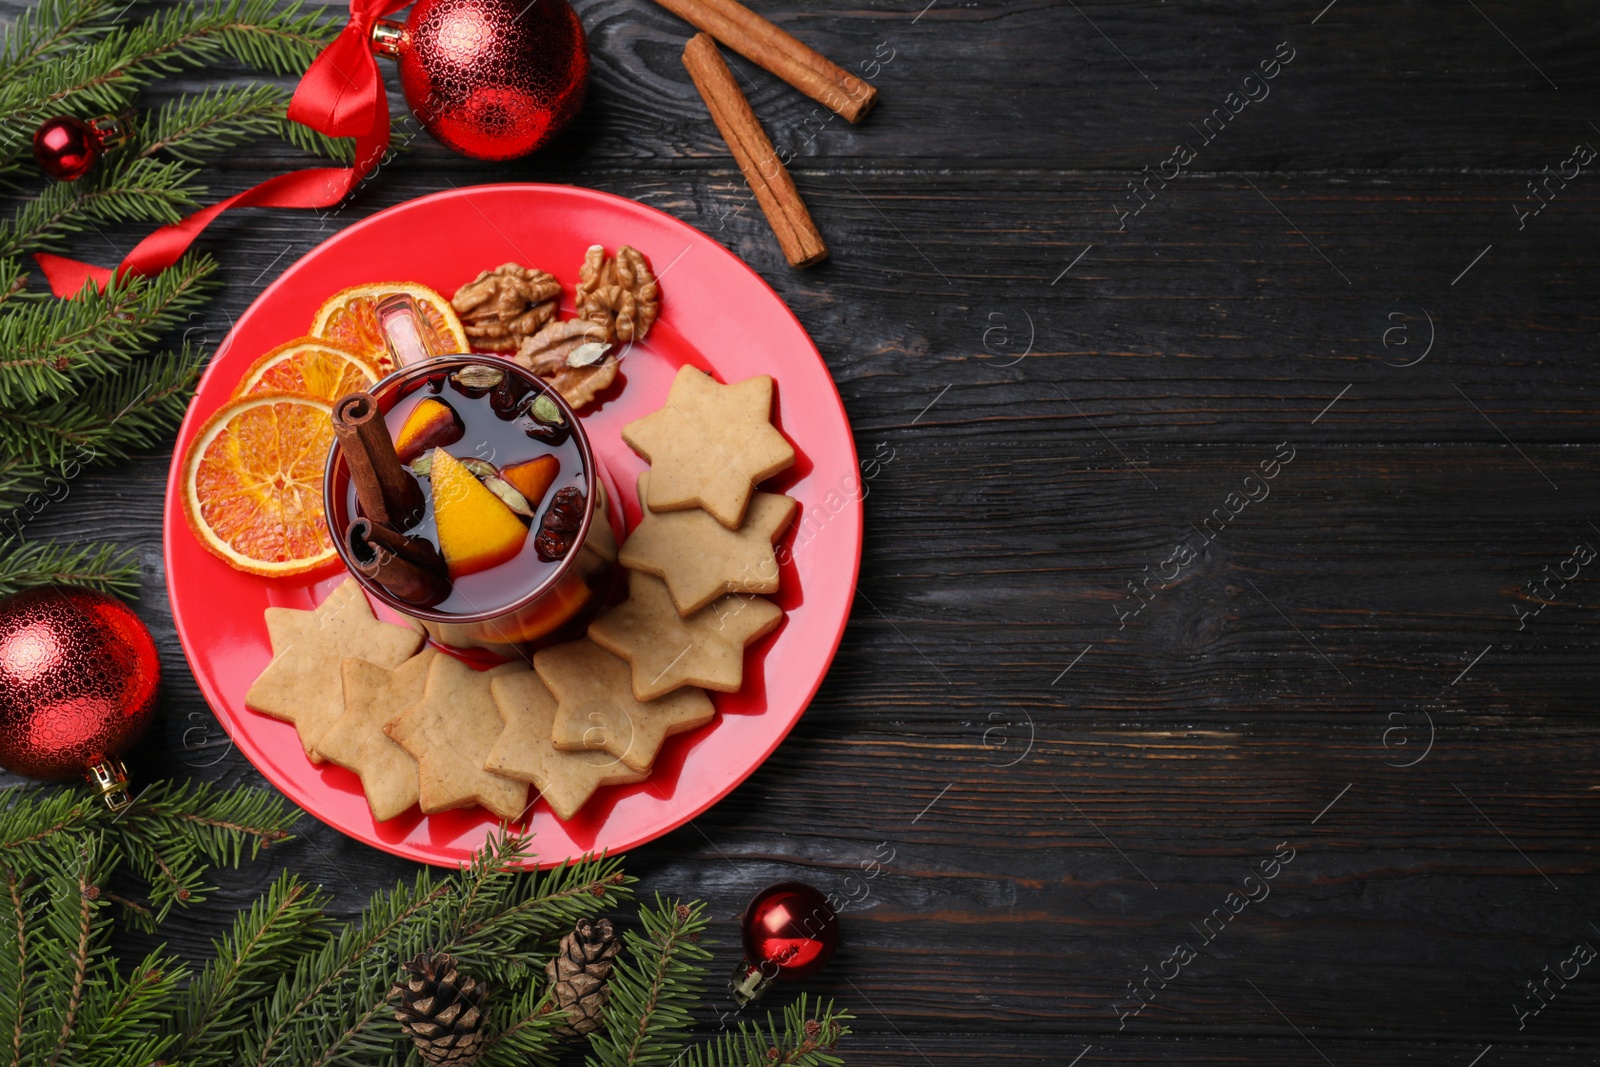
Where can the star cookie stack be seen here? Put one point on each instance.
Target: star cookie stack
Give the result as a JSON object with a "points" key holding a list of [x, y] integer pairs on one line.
{"points": [[701, 554], [421, 728]]}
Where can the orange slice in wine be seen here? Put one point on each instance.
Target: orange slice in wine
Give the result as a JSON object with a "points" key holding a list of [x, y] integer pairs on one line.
{"points": [[252, 483], [350, 318], [309, 367], [476, 530]]}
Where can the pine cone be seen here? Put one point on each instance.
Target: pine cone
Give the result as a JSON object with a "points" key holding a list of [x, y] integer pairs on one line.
{"points": [[578, 976], [442, 1011]]}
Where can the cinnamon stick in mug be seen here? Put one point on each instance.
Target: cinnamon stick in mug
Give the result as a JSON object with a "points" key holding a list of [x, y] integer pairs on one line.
{"points": [[387, 491], [765, 45], [399, 563], [752, 150]]}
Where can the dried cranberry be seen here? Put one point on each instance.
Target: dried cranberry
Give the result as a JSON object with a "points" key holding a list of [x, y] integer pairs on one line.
{"points": [[560, 523]]}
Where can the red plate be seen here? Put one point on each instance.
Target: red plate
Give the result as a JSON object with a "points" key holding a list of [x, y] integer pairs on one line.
{"points": [[717, 314]]}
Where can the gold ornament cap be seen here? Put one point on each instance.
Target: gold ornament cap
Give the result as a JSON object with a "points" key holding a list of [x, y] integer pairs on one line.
{"points": [[748, 982], [110, 780], [388, 38]]}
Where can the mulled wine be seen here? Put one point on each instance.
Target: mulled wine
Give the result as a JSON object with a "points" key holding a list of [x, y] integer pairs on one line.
{"points": [[502, 541]]}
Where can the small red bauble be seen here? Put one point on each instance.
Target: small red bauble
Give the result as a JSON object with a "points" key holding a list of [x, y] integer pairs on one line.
{"points": [[491, 79], [67, 148], [78, 680], [789, 933]]}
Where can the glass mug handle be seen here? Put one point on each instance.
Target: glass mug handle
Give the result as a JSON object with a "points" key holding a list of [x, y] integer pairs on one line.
{"points": [[408, 335]]}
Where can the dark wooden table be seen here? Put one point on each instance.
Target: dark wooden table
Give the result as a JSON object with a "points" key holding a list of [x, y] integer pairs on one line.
{"points": [[1247, 511]]}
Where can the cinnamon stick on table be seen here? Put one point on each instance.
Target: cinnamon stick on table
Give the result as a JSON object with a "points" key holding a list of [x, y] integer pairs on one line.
{"points": [[408, 567], [765, 45], [387, 491], [752, 150]]}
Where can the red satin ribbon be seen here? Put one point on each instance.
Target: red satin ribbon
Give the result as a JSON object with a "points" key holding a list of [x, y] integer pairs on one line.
{"points": [[341, 95]]}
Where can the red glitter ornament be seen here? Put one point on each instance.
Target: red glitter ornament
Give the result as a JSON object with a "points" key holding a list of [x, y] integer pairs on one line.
{"points": [[789, 933], [491, 79], [67, 148], [78, 680]]}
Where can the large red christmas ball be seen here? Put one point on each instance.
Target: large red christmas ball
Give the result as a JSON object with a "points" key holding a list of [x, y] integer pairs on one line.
{"points": [[491, 79], [789, 932], [66, 148], [78, 680]]}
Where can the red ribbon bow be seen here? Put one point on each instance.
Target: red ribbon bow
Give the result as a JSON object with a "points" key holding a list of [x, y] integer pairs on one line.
{"points": [[341, 95]]}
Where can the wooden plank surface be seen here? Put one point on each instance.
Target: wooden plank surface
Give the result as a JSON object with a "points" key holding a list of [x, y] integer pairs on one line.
{"points": [[1072, 746]]}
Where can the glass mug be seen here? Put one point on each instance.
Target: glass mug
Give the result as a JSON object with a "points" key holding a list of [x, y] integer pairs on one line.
{"points": [[504, 616]]}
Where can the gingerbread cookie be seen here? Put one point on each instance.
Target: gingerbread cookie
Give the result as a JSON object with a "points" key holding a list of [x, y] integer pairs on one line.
{"points": [[524, 751], [450, 732], [710, 445], [667, 650], [699, 558], [303, 683], [596, 708], [356, 741]]}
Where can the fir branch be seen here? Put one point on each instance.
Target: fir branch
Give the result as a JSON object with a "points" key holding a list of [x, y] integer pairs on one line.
{"points": [[171, 830], [120, 1024], [199, 127], [62, 994], [653, 987], [215, 823], [66, 343], [332, 1009], [30, 816], [264, 941], [41, 31], [108, 568], [126, 188], [325, 983], [805, 1039], [74, 923], [107, 73], [528, 1040], [175, 831], [78, 962], [123, 413], [538, 904], [14, 970]]}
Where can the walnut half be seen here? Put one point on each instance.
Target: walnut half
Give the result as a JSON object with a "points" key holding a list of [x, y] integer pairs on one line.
{"points": [[546, 353], [618, 293], [500, 307]]}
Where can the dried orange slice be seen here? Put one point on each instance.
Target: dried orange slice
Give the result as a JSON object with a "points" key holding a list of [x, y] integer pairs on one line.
{"points": [[309, 367], [350, 318], [252, 483]]}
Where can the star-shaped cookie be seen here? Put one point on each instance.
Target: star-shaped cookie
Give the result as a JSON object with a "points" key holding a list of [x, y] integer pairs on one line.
{"points": [[303, 684], [596, 708], [356, 741], [524, 751], [699, 558], [667, 650], [710, 444], [450, 732]]}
